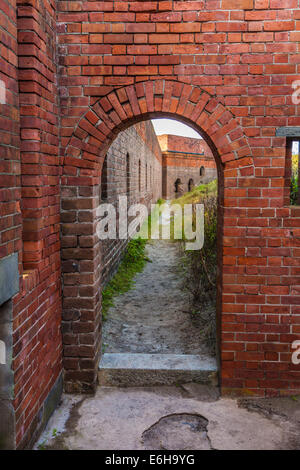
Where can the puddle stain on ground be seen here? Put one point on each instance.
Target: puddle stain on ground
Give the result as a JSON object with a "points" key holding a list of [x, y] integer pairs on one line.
{"points": [[178, 431]]}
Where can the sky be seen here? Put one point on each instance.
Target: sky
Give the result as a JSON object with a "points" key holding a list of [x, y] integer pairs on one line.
{"points": [[169, 126]]}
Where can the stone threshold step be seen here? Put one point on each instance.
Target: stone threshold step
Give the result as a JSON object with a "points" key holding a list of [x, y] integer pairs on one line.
{"points": [[125, 369]]}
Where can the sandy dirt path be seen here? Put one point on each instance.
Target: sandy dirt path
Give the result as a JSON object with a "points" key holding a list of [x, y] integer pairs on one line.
{"points": [[154, 317]]}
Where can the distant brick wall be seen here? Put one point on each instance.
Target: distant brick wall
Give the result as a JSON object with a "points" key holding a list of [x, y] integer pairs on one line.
{"points": [[137, 144], [188, 145], [186, 160]]}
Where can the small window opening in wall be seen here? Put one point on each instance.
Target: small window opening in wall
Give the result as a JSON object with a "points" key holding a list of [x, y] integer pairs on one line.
{"points": [[294, 171], [104, 181], [2, 92], [127, 174], [2, 352], [190, 184], [139, 175], [202, 171], [177, 185], [146, 173]]}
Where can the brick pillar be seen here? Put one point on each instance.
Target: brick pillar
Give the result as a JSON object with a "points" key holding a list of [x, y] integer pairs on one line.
{"points": [[81, 287], [39, 131]]}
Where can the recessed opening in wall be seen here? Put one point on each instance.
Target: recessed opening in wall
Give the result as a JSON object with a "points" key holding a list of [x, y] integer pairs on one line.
{"points": [[104, 192], [202, 171], [127, 174], [140, 176], [178, 186], [167, 312], [146, 176], [190, 184], [294, 172]]}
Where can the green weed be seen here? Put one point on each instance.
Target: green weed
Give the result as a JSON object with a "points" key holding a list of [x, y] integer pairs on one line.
{"points": [[132, 263], [199, 267], [294, 188]]}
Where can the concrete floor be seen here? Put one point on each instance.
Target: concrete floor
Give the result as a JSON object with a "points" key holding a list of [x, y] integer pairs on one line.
{"points": [[153, 318], [185, 417]]}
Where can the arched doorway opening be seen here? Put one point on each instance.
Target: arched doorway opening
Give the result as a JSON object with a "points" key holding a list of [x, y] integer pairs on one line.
{"points": [[84, 156], [190, 184], [104, 178], [134, 317], [178, 187]]}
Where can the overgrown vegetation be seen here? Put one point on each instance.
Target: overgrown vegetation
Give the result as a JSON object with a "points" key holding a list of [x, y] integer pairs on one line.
{"points": [[160, 201], [132, 263], [200, 266], [197, 193], [294, 180]]}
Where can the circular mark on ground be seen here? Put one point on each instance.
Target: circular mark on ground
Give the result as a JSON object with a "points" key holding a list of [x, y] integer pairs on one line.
{"points": [[178, 432]]}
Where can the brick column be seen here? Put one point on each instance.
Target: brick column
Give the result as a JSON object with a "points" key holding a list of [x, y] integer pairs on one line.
{"points": [[81, 266]]}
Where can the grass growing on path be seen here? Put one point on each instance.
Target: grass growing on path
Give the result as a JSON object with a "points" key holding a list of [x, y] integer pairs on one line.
{"points": [[132, 263]]}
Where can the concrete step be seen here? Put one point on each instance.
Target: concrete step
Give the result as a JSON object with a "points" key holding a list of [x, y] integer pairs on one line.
{"points": [[136, 370]]}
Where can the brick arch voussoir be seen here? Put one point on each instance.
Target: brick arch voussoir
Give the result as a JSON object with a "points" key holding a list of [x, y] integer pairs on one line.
{"points": [[157, 98]]}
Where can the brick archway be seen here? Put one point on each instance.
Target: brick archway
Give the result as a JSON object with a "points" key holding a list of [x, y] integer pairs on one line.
{"points": [[82, 163]]}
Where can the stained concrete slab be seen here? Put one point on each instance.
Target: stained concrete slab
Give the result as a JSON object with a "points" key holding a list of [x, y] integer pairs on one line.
{"points": [[7, 425], [124, 419], [7, 413], [125, 369], [177, 432]]}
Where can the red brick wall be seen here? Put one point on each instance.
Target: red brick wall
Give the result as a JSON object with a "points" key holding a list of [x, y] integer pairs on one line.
{"points": [[234, 62], [37, 308], [30, 200], [10, 191], [223, 66], [9, 132], [176, 143]]}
